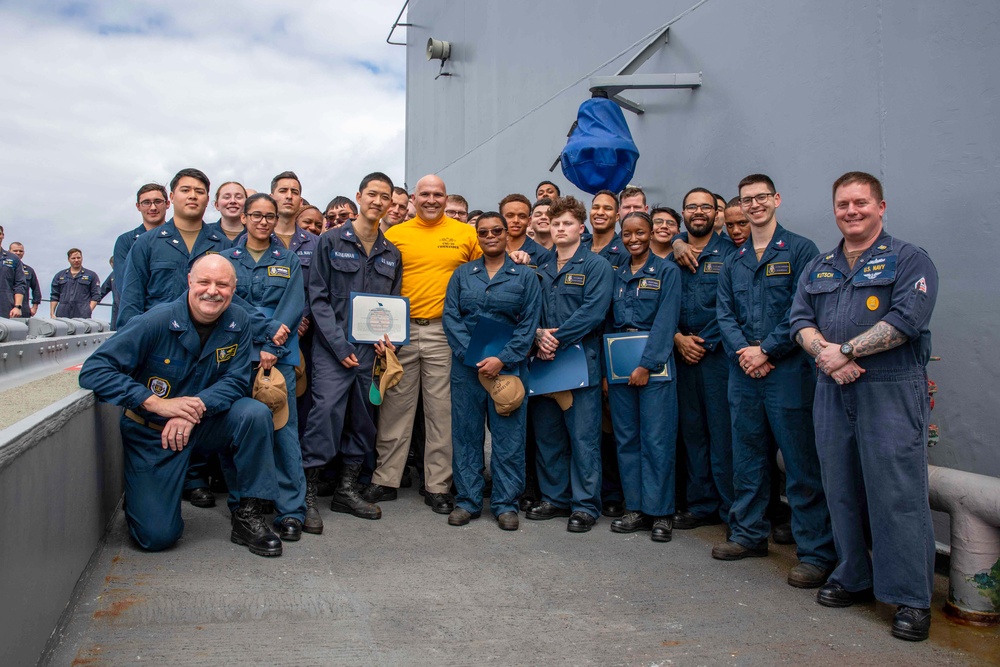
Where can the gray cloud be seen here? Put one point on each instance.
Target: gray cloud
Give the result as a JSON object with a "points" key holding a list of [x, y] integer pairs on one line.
{"points": [[102, 97]]}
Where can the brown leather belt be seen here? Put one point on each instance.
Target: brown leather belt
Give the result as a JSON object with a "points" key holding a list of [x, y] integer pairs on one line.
{"points": [[139, 419]]}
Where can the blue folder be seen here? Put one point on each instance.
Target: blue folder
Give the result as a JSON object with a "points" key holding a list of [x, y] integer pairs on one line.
{"points": [[567, 371], [622, 354], [489, 337]]}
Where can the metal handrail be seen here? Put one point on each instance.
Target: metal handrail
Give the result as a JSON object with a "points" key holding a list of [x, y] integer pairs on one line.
{"points": [[396, 24]]}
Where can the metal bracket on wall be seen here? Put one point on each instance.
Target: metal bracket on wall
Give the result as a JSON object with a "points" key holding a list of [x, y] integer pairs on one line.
{"points": [[627, 79]]}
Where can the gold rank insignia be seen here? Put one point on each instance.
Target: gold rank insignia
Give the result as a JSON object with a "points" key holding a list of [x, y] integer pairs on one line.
{"points": [[225, 353], [279, 272]]}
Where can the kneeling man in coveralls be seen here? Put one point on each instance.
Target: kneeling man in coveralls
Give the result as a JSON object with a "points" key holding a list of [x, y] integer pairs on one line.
{"points": [[181, 371], [862, 311]]}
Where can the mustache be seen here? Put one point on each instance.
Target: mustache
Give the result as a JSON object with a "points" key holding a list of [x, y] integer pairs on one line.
{"points": [[217, 298]]}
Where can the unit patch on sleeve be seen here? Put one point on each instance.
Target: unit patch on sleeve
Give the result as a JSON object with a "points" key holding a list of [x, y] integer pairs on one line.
{"points": [[778, 269], [575, 279], [279, 272], [649, 283], [225, 353]]}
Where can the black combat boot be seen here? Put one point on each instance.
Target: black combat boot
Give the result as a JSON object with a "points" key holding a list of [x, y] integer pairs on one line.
{"points": [[346, 498], [314, 522], [250, 529]]}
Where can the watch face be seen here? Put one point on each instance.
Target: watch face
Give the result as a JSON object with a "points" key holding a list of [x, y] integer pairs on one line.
{"points": [[846, 348]]}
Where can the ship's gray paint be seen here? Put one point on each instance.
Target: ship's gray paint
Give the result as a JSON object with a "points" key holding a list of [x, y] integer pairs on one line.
{"points": [[60, 482], [803, 91]]}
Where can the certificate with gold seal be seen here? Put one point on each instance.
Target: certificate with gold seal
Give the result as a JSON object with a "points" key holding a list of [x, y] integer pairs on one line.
{"points": [[372, 316]]}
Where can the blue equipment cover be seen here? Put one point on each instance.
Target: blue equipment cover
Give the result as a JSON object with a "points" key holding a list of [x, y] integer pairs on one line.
{"points": [[600, 153]]}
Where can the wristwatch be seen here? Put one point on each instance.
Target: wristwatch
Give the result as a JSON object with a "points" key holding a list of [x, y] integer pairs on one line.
{"points": [[847, 350]]}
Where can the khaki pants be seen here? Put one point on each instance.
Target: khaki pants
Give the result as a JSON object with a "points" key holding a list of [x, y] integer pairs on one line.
{"points": [[426, 365]]}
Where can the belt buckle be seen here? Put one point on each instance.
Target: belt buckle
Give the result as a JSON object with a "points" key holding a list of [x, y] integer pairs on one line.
{"points": [[631, 330], [420, 321]]}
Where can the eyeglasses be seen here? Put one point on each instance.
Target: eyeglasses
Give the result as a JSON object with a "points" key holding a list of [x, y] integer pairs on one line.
{"points": [[760, 199], [333, 217], [146, 203], [257, 216], [704, 208], [496, 231]]}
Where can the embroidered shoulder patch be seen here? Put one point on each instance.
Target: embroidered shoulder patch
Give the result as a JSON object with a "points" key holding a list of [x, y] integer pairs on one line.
{"points": [[778, 269], [225, 353], [279, 272]]}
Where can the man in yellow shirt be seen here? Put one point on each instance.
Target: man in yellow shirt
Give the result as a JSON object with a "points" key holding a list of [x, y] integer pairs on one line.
{"points": [[432, 246]]}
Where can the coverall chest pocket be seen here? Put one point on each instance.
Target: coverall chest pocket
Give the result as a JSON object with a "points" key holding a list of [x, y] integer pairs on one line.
{"points": [[823, 294], [161, 277], [383, 277], [507, 300], [159, 373], [778, 293], [870, 301], [706, 289]]}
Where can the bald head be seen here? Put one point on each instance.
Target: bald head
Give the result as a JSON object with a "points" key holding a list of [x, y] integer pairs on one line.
{"points": [[430, 197], [211, 283]]}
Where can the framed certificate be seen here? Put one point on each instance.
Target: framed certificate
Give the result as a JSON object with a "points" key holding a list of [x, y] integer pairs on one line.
{"points": [[372, 316], [622, 354]]}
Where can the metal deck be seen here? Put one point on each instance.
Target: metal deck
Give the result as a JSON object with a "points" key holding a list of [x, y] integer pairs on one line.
{"points": [[410, 589]]}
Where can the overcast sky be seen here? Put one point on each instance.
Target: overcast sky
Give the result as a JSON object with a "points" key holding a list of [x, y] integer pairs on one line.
{"points": [[99, 97]]}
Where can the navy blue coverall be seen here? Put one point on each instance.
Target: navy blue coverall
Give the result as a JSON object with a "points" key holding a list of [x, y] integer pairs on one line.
{"points": [[12, 282], [871, 434], [645, 418], [273, 286], [511, 296], [156, 269], [702, 388], [611, 482], [753, 303], [74, 293], [123, 244], [160, 353], [539, 254], [30, 284], [342, 420], [575, 301]]}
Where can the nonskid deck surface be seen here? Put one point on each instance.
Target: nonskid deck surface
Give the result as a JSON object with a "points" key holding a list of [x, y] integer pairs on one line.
{"points": [[411, 590]]}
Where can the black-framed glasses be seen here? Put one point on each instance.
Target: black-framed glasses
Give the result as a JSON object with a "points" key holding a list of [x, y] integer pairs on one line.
{"points": [[760, 199], [257, 216], [146, 203], [494, 231], [704, 208], [333, 217]]}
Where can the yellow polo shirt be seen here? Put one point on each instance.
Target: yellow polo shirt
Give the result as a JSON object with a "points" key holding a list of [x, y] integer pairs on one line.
{"points": [[431, 252]]}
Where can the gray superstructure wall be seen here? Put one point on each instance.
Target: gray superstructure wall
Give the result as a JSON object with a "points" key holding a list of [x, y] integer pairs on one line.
{"points": [[803, 91]]}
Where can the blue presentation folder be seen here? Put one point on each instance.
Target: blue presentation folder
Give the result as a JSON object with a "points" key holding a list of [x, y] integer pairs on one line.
{"points": [[489, 338], [622, 354], [567, 371]]}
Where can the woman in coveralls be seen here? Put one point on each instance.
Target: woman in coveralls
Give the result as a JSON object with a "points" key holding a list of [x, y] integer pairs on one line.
{"points": [[646, 298], [492, 286], [269, 277]]}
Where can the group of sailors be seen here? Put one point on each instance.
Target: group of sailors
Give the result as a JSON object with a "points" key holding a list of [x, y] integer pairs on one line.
{"points": [[753, 340]]}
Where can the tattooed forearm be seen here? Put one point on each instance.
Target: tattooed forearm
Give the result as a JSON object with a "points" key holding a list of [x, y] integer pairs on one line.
{"points": [[810, 340], [881, 337]]}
